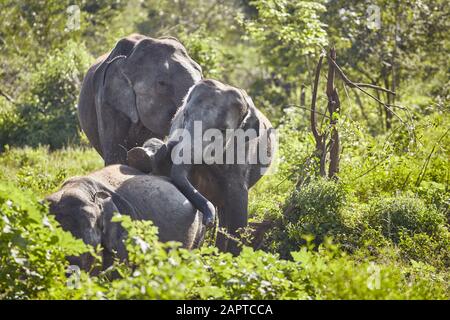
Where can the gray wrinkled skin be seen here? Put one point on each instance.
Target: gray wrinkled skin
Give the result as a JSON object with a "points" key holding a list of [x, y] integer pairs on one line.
{"points": [[132, 93], [226, 186], [85, 205]]}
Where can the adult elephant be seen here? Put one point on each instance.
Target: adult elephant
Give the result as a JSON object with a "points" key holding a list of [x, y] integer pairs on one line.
{"points": [[236, 148], [85, 205], [132, 93]]}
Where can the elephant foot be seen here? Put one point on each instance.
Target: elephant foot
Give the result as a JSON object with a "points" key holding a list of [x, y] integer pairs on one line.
{"points": [[139, 158]]}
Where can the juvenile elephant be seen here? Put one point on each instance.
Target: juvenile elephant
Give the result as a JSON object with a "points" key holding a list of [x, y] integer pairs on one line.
{"points": [[223, 112], [132, 93], [85, 205]]}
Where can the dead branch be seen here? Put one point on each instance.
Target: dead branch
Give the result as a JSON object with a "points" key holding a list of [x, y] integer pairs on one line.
{"points": [[316, 134], [371, 86], [352, 84], [7, 96], [333, 107], [358, 86], [308, 109], [427, 161]]}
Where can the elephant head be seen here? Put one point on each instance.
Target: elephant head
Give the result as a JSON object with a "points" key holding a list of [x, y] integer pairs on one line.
{"points": [[85, 208], [144, 79], [216, 110]]}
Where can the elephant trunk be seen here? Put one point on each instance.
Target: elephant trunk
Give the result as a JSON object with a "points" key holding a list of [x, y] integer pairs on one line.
{"points": [[179, 174]]}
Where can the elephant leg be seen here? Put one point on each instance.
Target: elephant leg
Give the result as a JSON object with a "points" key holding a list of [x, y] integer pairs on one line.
{"points": [[113, 132]]}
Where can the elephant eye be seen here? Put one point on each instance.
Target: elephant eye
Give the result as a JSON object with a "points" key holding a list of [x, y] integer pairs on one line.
{"points": [[162, 83]]}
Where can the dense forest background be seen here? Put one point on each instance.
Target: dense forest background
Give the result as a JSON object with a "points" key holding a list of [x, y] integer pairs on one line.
{"points": [[376, 229]]}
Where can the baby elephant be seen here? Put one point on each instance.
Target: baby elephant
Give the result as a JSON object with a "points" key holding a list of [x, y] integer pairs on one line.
{"points": [[219, 146], [85, 205]]}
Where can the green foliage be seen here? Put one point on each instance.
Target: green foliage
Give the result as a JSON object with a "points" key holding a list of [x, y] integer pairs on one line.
{"points": [[315, 209], [405, 214], [287, 34], [380, 232], [49, 115], [41, 171], [32, 247], [207, 52], [205, 273], [430, 250], [287, 30], [9, 120], [377, 209], [376, 270], [331, 274]]}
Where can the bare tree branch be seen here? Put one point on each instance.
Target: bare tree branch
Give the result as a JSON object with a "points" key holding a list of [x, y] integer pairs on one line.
{"points": [[333, 107], [7, 96], [313, 118], [308, 109], [352, 84]]}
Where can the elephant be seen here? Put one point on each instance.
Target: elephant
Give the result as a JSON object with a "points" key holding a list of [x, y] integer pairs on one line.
{"points": [[224, 184], [85, 205], [132, 93]]}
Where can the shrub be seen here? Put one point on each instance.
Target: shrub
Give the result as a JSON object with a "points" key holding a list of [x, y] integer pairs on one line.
{"points": [[32, 248], [48, 114], [316, 210], [163, 270], [41, 171], [406, 214], [330, 273], [424, 248], [9, 121]]}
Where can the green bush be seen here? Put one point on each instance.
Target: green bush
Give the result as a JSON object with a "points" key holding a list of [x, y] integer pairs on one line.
{"points": [[32, 248], [165, 271], [47, 115], [9, 121], [406, 214], [314, 210], [330, 273], [42, 171], [427, 249]]}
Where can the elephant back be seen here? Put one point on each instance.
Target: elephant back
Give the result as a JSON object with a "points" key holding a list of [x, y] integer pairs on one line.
{"points": [[155, 198]]}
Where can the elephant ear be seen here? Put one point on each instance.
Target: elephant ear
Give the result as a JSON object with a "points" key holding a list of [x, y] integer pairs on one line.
{"points": [[112, 202], [251, 119], [112, 232], [113, 89]]}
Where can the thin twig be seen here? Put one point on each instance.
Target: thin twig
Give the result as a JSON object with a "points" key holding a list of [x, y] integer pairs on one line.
{"points": [[371, 86], [427, 161], [7, 96], [381, 161], [358, 85], [308, 109]]}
